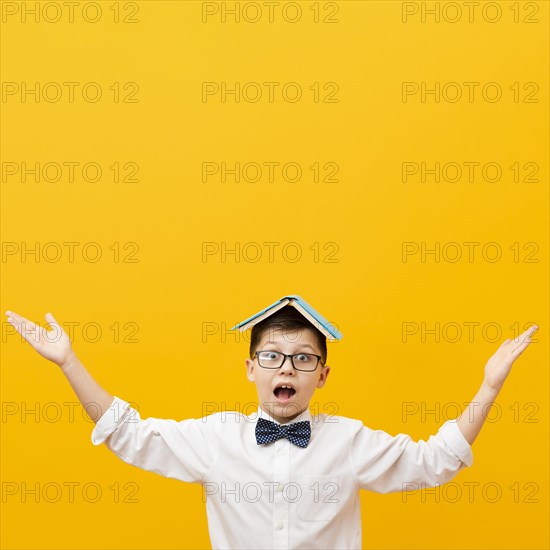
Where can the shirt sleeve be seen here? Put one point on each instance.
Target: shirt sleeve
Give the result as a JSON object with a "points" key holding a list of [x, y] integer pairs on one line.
{"points": [[181, 450], [385, 463]]}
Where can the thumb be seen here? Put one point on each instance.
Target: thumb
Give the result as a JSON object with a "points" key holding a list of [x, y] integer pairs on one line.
{"points": [[53, 323], [50, 317]]}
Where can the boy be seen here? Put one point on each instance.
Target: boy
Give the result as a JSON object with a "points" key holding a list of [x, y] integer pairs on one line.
{"points": [[279, 478]]}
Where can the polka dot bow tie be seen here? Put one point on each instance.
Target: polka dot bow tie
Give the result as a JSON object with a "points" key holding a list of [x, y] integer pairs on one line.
{"points": [[297, 433]]}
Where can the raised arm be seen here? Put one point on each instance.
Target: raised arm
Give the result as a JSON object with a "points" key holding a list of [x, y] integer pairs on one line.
{"points": [[497, 369], [174, 449], [55, 346]]}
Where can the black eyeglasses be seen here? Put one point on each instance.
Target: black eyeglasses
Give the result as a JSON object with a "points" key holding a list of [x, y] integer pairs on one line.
{"points": [[268, 359]]}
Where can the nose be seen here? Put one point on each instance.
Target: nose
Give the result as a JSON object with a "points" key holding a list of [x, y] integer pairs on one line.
{"points": [[287, 367]]}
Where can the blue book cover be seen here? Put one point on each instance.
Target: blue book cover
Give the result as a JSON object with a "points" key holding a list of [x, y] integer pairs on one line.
{"points": [[313, 316]]}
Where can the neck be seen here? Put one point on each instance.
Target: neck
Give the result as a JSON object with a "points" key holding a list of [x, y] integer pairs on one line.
{"points": [[280, 419]]}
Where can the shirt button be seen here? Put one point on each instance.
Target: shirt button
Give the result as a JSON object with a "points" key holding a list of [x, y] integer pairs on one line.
{"points": [[279, 527]]}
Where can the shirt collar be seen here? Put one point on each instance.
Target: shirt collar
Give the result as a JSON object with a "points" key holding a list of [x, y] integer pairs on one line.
{"points": [[303, 416]]}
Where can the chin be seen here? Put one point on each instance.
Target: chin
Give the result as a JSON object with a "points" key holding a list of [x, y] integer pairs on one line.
{"points": [[288, 410]]}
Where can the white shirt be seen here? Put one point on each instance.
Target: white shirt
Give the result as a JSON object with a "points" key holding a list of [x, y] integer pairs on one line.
{"points": [[280, 495]]}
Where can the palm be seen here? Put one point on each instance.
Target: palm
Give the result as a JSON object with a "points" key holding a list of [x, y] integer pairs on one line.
{"points": [[54, 345], [499, 365]]}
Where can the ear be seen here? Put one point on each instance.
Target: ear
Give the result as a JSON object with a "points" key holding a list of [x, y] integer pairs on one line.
{"points": [[325, 371], [250, 370]]}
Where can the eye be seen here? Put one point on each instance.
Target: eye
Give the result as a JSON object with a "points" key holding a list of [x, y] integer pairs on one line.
{"points": [[303, 357], [269, 355]]}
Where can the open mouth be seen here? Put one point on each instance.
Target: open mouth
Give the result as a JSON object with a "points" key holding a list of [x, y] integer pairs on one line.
{"points": [[284, 392]]}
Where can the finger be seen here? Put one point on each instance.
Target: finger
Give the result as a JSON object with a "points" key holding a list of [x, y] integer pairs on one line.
{"points": [[526, 334], [51, 321], [30, 331], [50, 318], [20, 319], [30, 334], [57, 329], [23, 325], [518, 349]]}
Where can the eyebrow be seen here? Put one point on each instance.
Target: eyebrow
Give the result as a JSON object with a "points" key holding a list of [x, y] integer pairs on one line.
{"points": [[303, 345]]}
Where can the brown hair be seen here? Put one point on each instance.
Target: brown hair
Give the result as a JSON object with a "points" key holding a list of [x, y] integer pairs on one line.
{"points": [[288, 319]]}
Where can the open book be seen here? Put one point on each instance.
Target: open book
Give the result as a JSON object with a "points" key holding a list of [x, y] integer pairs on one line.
{"points": [[314, 317]]}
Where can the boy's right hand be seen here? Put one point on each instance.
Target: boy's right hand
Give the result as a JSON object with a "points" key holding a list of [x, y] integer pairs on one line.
{"points": [[54, 345]]}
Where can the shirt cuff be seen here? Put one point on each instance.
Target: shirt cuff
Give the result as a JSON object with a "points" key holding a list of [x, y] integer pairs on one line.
{"points": [[110, 420], [457, 442]]}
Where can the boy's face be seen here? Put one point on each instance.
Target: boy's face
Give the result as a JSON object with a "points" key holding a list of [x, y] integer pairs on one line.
{"points": [[280, 405]]}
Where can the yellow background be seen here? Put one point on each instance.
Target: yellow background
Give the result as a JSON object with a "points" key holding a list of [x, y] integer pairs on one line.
{"points": [[369, 292]]}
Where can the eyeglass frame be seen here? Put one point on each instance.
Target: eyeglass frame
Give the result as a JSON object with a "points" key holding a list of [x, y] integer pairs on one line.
{"points": [[285, 355]]}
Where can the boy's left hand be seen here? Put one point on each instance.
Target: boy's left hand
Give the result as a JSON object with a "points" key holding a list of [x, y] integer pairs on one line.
{"points": [[499, 365]]}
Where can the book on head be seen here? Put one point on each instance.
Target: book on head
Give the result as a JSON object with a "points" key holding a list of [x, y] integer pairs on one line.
{"points": [[313, 316]]}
